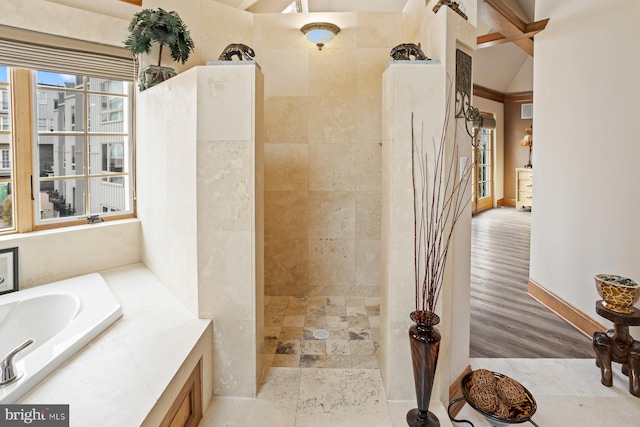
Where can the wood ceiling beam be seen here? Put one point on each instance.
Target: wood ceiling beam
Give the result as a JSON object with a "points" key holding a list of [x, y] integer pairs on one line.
{"points": [[508, 23], [493, 39], [135, 2]]}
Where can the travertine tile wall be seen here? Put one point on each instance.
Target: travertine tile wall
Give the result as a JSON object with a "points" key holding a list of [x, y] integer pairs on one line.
{"points": [[323, 152]]}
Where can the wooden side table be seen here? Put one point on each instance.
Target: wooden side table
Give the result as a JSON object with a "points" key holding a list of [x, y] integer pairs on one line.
{"points": [[617, 345]]}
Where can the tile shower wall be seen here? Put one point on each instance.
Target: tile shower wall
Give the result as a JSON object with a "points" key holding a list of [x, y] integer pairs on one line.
{"points": [[323, 154]]}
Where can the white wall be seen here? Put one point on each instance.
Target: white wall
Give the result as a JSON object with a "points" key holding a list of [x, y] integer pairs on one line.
{"points": [[586, 219]]}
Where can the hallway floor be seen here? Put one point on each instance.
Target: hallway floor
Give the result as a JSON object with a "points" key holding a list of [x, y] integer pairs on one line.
{"points": [[567, 391]]}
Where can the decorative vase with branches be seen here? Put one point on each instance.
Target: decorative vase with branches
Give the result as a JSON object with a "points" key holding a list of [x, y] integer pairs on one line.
{"points": [[164, 29], [440, 197]]}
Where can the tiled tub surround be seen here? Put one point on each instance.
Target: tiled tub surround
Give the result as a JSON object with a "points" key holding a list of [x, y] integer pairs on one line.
{"points": [[352, 323], [130, 374]]}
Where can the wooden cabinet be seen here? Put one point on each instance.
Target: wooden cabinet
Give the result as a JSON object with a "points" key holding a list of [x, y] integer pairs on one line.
{"points": [[524, 187], [186, 410]]}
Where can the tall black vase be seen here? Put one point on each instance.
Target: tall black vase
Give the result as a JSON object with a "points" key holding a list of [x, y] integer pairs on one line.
{"points": [[424, 339]]}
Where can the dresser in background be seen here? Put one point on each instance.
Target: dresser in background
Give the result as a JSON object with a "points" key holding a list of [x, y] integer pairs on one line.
{"points": [[524, 188]]}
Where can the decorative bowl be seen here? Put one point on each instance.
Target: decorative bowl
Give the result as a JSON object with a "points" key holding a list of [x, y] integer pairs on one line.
{"points": [[618, 293], [517, 414]]}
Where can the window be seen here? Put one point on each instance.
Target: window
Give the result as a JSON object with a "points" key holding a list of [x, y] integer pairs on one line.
{"points": [[6, 175], [112, 160], [5, 160], [89, 156], [79, 165]]}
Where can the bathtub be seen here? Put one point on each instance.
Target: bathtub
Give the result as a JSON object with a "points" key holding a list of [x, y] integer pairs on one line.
{"points": [[60, 318]]}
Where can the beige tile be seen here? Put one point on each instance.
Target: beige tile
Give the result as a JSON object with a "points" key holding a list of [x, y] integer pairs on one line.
{"points": [[332, 72], [359, 334], [293, 320], [354, 310], [315, 321], [286, 119], [368, 214], [331, 214], [331, 167], [337, 321], [273, 320], [354, 301], [348, 290], [338, 333], [285, 214], [313, 347], [368, 167], [285, 167], [291, 333], [296, 289], [267, 359], [368, 264], [358, 321], [338, 347], [341, 362], [296, 310], [272, 333], [337, 310], [316, 310], [362, 348], [299, 301], [286, 262], [335, 300], [332, 120], [370, 63], [325, 398], [288, 347], [279, 301], [289, 80], [270, 346], [331, 262], [367, 291], [379, 29], [317, 301], [286, 360], [312, 361], [364, 362]]}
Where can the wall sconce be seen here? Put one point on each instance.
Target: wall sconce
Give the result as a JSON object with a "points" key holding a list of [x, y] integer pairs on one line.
{"points": [[527, 141], [464, 109], [320, 33]]}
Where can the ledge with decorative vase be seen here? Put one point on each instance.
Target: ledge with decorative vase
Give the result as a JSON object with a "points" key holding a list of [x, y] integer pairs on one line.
{"points": [[440, 196]]}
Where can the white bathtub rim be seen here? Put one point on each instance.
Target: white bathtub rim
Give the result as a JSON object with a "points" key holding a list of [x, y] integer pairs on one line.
{"points": [[92, 318]]}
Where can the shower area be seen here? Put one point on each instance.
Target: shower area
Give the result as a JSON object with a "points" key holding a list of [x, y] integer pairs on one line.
{"points": [[322, 157]]}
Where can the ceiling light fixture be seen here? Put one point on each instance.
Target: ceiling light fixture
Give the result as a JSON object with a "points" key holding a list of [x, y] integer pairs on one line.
{"points": [[320, 33]]}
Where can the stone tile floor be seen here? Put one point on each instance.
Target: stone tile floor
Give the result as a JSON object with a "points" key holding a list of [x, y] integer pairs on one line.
{"points": [[352, 324]]}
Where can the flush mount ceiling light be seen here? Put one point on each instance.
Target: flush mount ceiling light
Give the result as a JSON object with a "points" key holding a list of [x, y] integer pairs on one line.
{"points": [[320, 33]]}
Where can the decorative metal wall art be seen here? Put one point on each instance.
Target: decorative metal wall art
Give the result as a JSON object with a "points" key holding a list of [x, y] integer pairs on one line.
{"points": [[404, 52], [241, 51], [464, 109]]}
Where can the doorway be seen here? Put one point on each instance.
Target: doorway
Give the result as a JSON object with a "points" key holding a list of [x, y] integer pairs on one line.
{"points": [[482, 198]]}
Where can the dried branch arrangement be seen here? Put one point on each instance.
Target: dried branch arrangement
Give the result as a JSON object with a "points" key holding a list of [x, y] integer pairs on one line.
{"points": [[440, 196]]}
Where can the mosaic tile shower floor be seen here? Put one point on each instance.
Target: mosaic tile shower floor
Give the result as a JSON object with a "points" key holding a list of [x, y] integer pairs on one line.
{"points": [[352, 324]]}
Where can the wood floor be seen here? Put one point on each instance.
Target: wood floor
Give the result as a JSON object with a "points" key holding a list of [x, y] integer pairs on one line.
{"points": [[505, 321]]}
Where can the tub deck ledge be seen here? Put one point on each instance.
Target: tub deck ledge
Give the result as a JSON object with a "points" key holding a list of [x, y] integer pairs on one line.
{"points": [[131, 373]]}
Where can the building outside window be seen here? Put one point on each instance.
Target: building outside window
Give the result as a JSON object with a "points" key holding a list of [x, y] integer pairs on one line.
{"points": [[6, 175], [89, 146]]}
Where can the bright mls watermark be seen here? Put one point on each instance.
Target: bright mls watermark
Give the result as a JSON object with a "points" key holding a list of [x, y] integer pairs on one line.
{"points": [[34, 415]]}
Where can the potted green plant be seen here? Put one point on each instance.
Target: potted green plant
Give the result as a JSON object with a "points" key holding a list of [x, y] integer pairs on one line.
{"points": [[166, 29]]}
